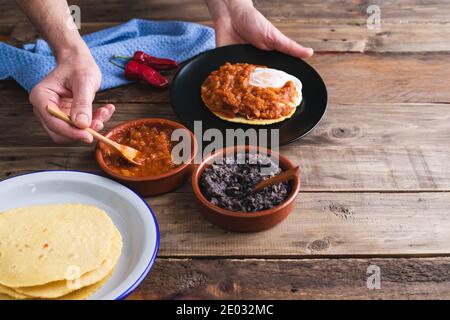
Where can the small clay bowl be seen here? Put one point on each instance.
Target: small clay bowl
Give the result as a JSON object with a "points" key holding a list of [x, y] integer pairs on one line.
{"points": [[244, 221], [152, 185]]}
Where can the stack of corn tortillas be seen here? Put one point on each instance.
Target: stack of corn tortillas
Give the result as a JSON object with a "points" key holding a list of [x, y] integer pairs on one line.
{"points": [[56, 251]]}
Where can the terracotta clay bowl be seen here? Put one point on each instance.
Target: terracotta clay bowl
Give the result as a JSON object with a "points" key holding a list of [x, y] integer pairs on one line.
{"points": [[152, 185], [244, 221]]}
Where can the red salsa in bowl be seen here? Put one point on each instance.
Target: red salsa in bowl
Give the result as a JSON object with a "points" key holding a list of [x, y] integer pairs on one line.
{"points": [[155, 145], [160, 173]]}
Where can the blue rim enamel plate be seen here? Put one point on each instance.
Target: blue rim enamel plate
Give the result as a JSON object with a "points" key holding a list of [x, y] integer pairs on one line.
{"points": [[130, 213]]}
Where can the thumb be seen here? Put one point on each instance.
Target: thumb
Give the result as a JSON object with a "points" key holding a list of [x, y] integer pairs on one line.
{"points": [[83, 92], [284, 44]]}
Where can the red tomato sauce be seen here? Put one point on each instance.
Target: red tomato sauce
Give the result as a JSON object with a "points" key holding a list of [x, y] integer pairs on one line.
{"points": [[154, 144]]}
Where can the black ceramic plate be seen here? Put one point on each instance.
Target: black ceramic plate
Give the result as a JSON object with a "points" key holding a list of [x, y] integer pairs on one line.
{"points": [[189, 107]]}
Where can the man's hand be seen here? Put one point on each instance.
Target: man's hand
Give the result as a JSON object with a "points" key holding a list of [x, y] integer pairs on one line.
{"points": [[71, 86], [238, 21]]}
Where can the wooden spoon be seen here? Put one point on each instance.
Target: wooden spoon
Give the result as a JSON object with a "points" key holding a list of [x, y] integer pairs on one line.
{"points": [[132, 155], [284, 176]]}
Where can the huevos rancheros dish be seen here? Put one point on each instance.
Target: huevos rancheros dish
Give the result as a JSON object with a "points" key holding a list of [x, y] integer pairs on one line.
{"points": [[251, 94]]}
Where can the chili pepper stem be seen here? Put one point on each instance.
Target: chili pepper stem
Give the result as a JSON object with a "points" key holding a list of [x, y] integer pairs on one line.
{"points": [[122, 57], [116, 64]]}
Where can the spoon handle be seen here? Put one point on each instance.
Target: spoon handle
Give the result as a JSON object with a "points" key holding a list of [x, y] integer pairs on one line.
{"points": [[284, 176], [55, 111]]}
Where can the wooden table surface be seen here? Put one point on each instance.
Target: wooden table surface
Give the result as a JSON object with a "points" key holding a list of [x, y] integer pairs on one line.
{"points": [[375, 172]]}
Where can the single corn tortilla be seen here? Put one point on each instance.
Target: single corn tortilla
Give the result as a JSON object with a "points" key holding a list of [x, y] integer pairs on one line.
{"points": [[43, 244], [4, 297], [61, 288], [13, 295], [260, 122], [85, 292], [81, 294]]}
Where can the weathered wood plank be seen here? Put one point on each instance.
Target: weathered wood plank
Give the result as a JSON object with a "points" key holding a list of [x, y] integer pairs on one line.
{"points": [[331, 36], [343, 169], [323, 224], [21, 121], [399, 149], [350, 78], [351, 37], [361, 124], [295, 279], [354, 78], [391, 78], [325, 26], [356, 147], [116, 10]]}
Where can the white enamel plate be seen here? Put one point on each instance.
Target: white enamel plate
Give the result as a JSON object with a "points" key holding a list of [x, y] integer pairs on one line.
{"points": [[130, 213]]}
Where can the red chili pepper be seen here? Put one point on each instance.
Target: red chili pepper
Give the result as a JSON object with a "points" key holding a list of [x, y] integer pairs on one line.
{"points": [[137, 71], [151, 61], [157, 63]]}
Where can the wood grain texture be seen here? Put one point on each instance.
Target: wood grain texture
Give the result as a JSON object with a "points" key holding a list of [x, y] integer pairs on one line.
{"points": [[332, 169], [295, 279], [353, 78], [375, 173], [356, 147], [322, 224], [407, 26], [324, 37], [360, 124], [405, 11], [350, 78]]}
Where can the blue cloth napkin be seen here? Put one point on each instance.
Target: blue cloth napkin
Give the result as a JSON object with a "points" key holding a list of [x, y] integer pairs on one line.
{"points": [[169, 39]]}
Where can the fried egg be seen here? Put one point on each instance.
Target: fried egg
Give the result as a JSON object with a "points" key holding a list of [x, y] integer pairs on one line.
{"points": [[273, 78]]}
